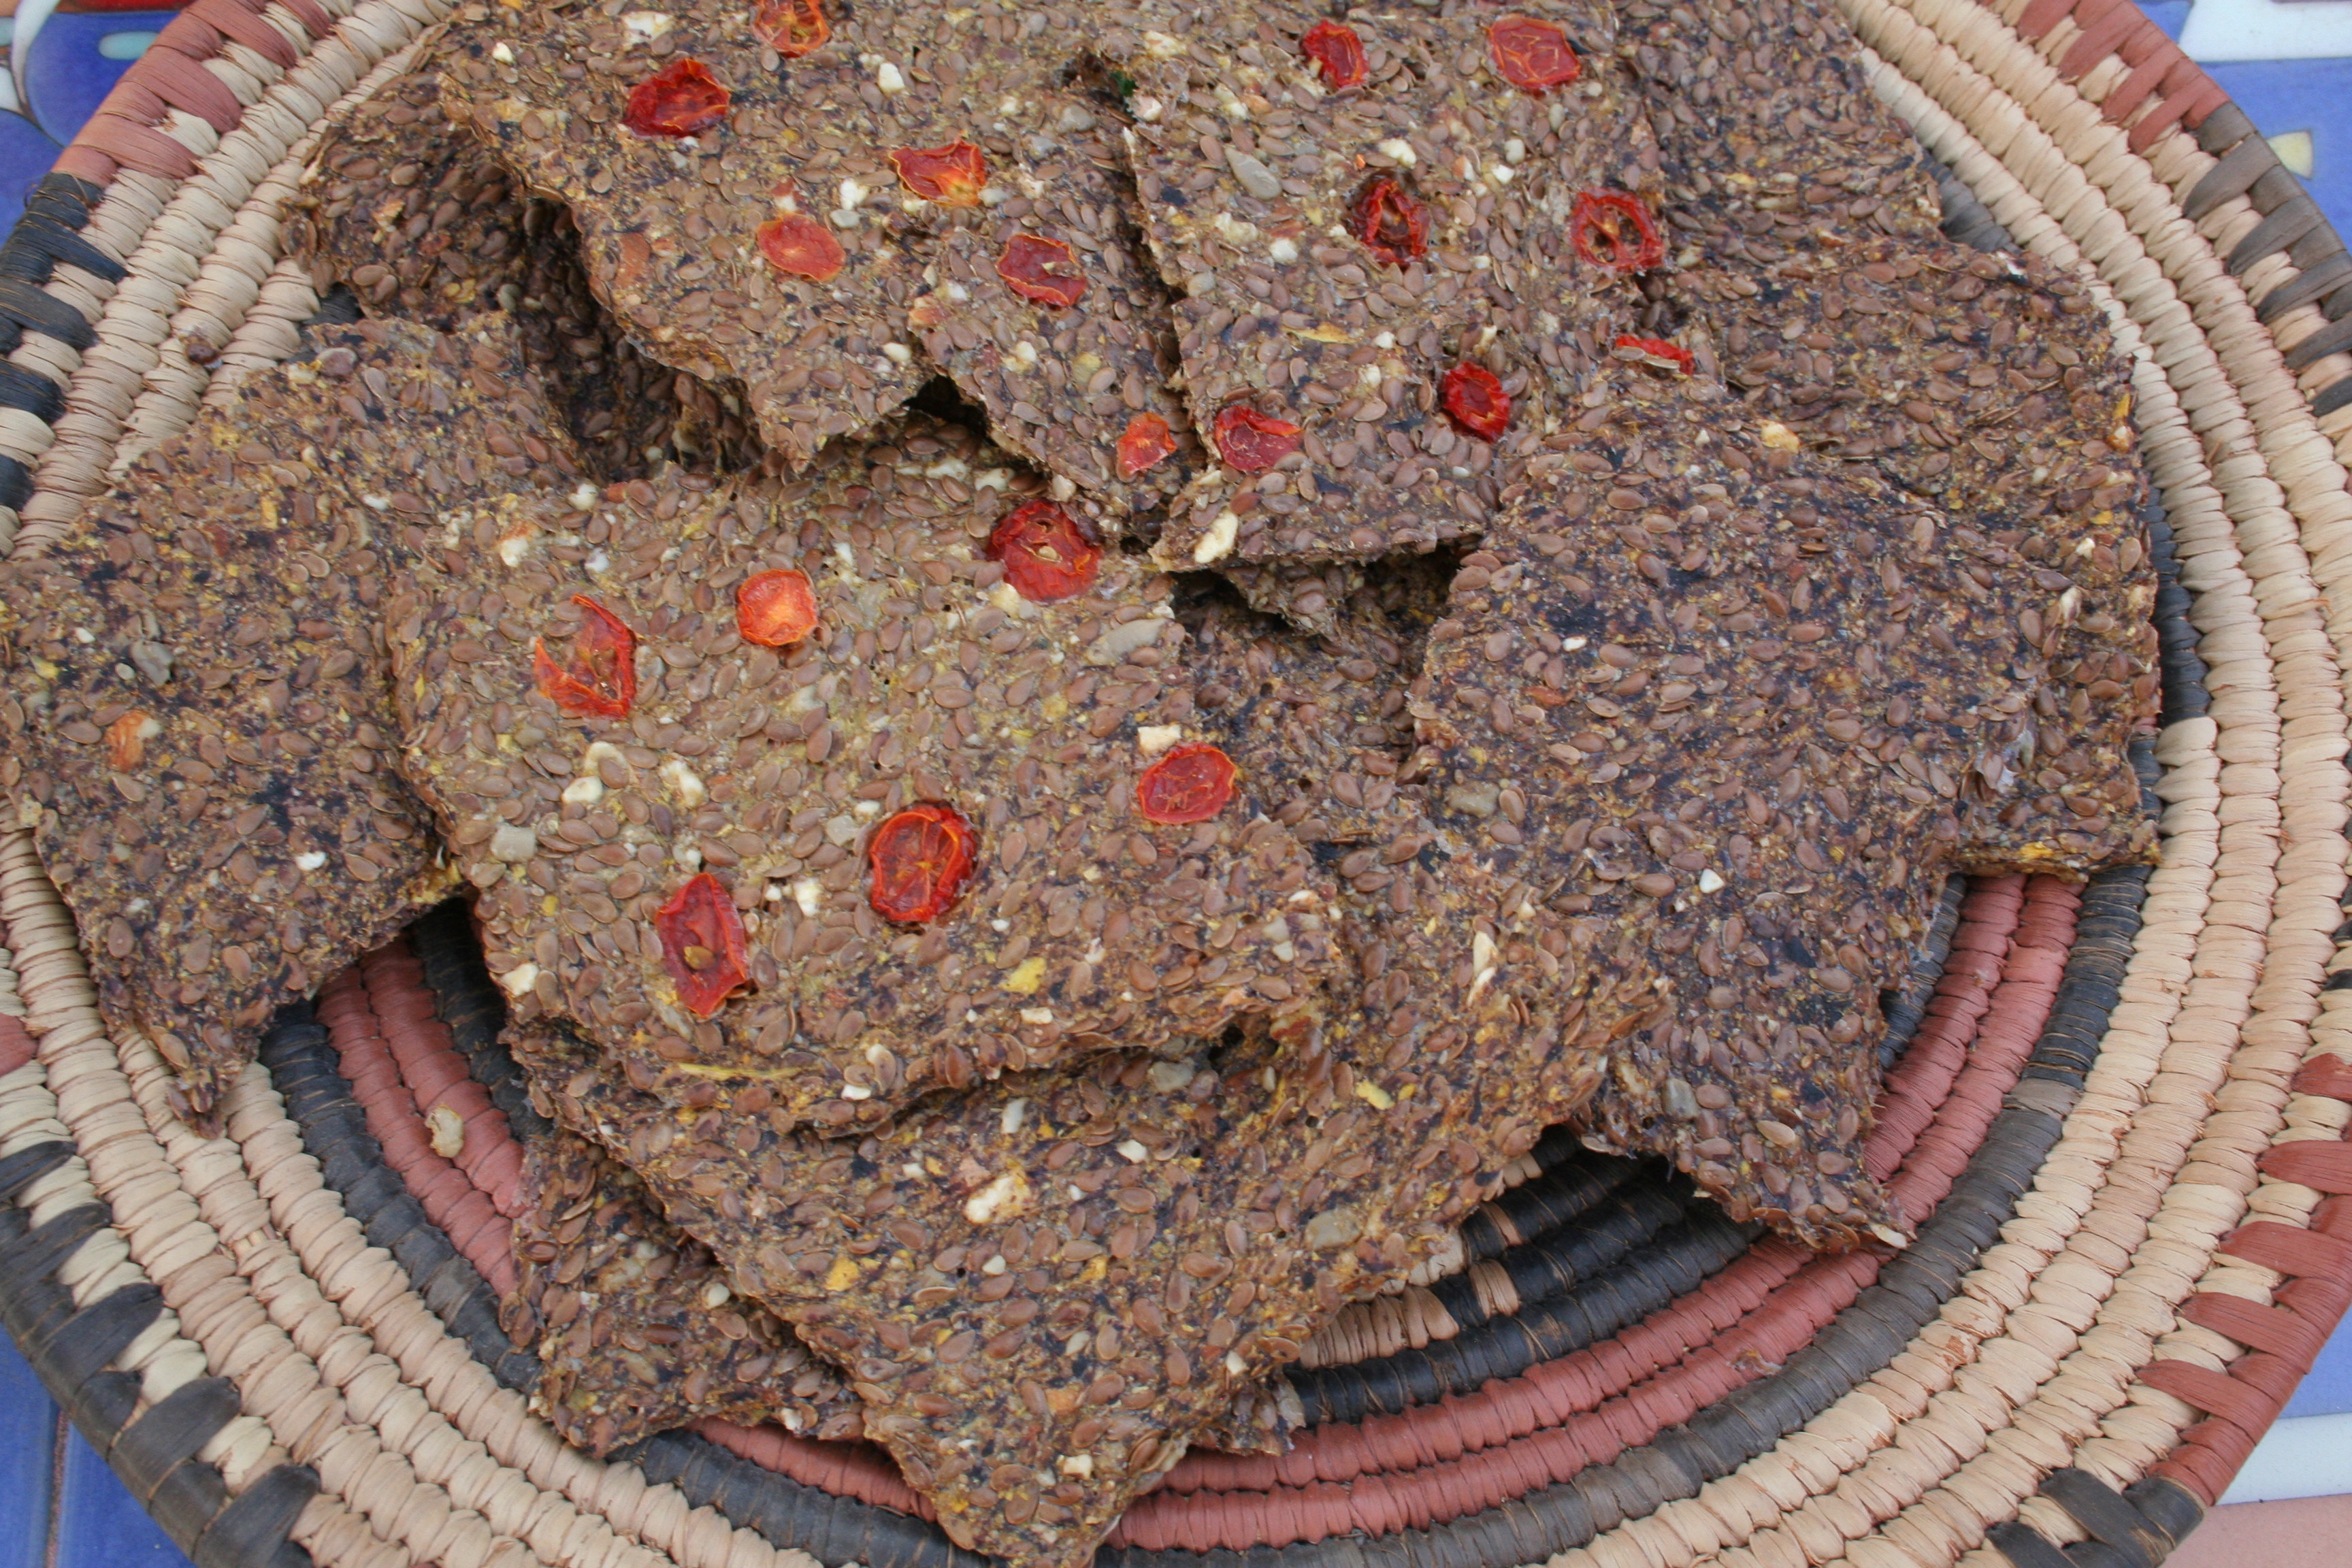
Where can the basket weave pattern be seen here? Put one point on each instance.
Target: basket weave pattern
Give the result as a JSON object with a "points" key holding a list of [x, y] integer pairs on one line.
{"points": [[280, 1388]]}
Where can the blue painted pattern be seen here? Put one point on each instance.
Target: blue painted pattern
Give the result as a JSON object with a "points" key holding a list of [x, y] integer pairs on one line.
{"points": [[28, 1463]]}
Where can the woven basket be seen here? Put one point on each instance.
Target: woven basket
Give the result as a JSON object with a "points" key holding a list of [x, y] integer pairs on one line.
{"points": [[2122, 1107]]}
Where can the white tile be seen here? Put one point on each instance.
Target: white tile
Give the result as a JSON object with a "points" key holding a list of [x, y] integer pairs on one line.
{"points": [[2222, 30], [2310, 1455]]}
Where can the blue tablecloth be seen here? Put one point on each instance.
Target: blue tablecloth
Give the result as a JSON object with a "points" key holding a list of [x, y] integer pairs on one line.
{"points": [[59, 1506]]}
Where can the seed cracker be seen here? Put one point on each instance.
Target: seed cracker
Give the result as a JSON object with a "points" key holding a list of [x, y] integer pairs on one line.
{"points": [[1312, 595], [1249, 170], [200, 729], [1769, 126], [1063, 385], [419, 221], [1738, 710], [929, 680], [1357, 1142], [1324, 732], [1042, 1289], [638, 1329], [1988, 385], [671, 225]]}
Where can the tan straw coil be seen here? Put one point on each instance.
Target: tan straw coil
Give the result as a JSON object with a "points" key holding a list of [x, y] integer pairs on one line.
{"points": [[283, 1378]]}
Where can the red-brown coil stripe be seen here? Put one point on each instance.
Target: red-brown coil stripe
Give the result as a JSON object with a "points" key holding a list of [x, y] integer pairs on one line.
{"points": [[436, 1074], [16, 1046], [135, 146], [2020, 1006], [1547, 1394], [1919, 1083], [855, 1468], [2283, 1340], [121, 133], [245, 25], [174, 82], [482, 1236]]}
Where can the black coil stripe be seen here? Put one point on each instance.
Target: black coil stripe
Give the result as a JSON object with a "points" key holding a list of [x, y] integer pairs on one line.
{"points": [[304, 1066], [70, 1347]]}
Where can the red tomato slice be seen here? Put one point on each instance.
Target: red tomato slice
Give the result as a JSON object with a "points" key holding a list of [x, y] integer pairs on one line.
{"points": [[950, 175], [1252, 442], [1145, 443], [1474, 400], [1338, 54], [601, 678], [1191, 783], [798, 243], [921, 858], [1047, 553], [682, 98], [1534, 56], [791, 27], [1613, 229], [1040, 269], [702, 944], [1391, 223], [775, 608]]}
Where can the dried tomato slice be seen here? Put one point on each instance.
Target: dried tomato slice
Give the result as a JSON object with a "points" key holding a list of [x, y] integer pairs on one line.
{"points": [[1534, 56], [950, 175], [1047, 553], [601, 680], [1391, 223], [702, 944], [1146, 442], [1336, 52], [921, 858], [1044, 271], [800, 245], [1613, 229], [1474, 400], [1191, 783], [682, 98], [791, 27], [1252, 442], [1658, 351], [775, 608]]}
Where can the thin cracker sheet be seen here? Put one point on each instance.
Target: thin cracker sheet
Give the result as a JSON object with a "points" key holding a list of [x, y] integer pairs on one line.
{"points": [[1989, 386], [672, 225], [1770, 130], [1083, 389], [636, 1326], [1253, 176], [1312, 595], [750, 782], [1044, 1288], [1154, 1286], [1326, 733], [200, 731], [1738, 710], [1025, 1284], [418, 220]]}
